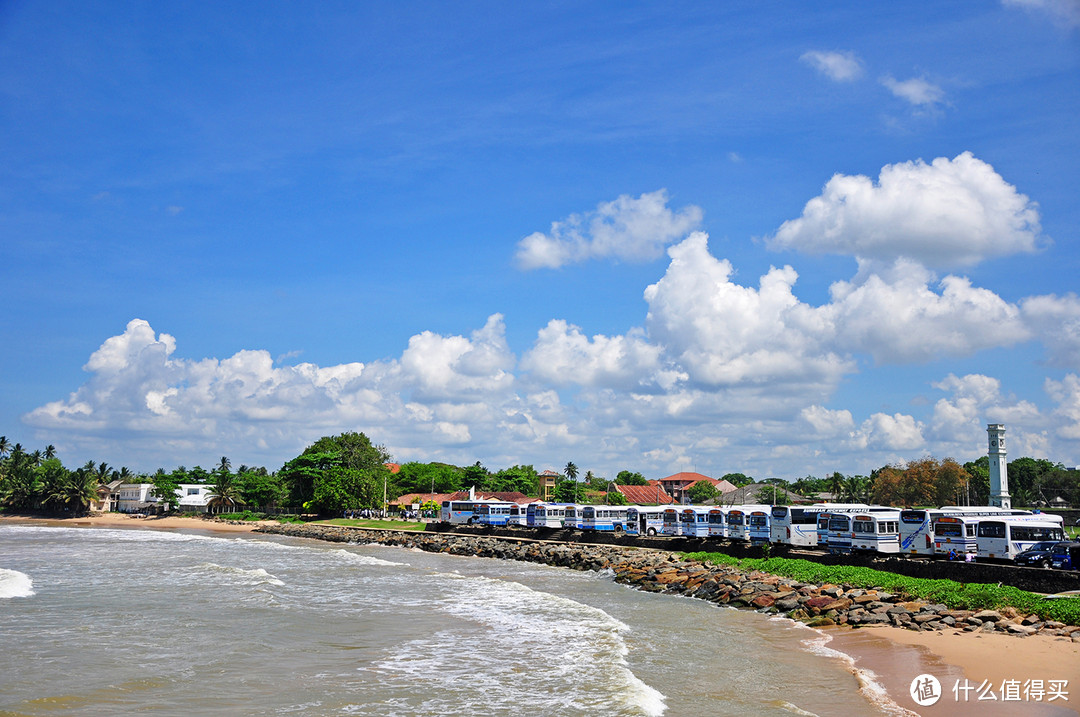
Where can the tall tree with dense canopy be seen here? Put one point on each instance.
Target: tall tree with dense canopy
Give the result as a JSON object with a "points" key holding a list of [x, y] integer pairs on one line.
{"points": [[702, 491], [337, 473], [630, 478]]}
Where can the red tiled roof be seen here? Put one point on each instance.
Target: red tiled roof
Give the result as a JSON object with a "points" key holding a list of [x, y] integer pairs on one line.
{"points": [[688, 478], [393, 467], [644, 494]]}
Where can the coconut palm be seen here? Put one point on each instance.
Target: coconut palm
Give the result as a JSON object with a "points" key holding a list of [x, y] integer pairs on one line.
{"points": [[5, 446], [50, 452], [226, 493], [74, 492], [571, 471]]}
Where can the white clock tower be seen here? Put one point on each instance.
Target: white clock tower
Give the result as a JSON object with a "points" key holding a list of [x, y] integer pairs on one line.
{"points": [[999, 468]]}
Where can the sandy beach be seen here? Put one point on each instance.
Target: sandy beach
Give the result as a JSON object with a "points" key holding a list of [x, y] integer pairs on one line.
{"points": [[123, 520], [897, 656], [894, 655]]}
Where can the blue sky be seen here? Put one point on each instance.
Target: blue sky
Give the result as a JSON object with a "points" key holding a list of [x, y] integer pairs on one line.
{"points": [[751, 238]]}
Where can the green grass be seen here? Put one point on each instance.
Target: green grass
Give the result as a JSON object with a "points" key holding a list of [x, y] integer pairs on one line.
{"points": [[388, 524], [245, 515], [1072, 532], [958, 596]]}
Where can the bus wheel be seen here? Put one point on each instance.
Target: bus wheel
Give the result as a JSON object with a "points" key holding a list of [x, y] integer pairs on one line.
{"points": [[618, 528], [650, 531], [472, 520]]}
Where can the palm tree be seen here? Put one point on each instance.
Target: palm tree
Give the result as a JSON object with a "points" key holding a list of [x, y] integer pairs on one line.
{"points": [[103, 472], [226, 493], [571, 471], [75, 492], [836, 485], [5, 446], [225, 465], [50, 452]]}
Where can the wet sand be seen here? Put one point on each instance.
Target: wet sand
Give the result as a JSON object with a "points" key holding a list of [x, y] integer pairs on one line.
{"points": [[897, 656]]}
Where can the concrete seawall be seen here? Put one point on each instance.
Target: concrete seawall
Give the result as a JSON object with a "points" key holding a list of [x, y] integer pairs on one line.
{"points": [[657, 570]]}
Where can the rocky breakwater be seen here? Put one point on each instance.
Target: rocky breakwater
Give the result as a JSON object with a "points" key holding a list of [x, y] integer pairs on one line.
{"points": [[666, 572]]}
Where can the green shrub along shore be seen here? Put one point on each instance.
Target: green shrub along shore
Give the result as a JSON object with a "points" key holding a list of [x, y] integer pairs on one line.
{"points": [[957, 596]]}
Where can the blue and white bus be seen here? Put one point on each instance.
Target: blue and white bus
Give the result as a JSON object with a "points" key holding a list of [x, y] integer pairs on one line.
{"points": [[797, 525], [739, 526], [876, 532], [955, 534], [492, 513], [718, 522], [572, 516], [644, 519], [917, 529], [519, 515], [457, 512], [1002, 538], [603, 518], [545, 515], [757, 524], [671, 522], [736, 523], [694, 521], [834, 527]]}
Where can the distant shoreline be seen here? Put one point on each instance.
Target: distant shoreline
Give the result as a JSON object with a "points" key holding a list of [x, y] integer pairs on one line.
{"points": [[126, 520], [994, 657]]}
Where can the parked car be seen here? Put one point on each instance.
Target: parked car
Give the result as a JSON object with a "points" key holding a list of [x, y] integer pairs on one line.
{"points": [[1037, 555], [1066, 556]]}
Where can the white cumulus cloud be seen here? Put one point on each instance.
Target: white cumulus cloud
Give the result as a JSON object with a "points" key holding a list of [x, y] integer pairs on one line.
{"points": [[948, 213], [627, 229], [724, 334]]}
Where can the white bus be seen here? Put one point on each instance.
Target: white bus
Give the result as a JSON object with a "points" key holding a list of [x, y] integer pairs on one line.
{"points": [[644, 519], [917, 529], [1002, 538], [834, 527], [876, 532], [606, 518], [736, 523], [797, 525], [955, 533], [758, 530], [695, 521], [518, 515], [491, 513], [545, 515], [457, 512], [740, 526], [671, 521], [718, 522], [572, 516]]}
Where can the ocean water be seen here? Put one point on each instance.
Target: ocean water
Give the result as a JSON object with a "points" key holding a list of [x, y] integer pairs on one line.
{"points": [[106, 622]]}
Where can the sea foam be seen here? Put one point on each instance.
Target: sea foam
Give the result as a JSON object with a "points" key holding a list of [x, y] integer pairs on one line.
{"points": [[254, 576], [574, 653], [869, 684], [14, 584]]}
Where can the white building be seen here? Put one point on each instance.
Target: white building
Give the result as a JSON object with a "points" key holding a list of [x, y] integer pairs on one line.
{"points": [[194, 496], [136, 497]]}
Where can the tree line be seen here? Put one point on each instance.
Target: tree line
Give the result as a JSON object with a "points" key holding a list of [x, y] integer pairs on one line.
{"points": [[349, 472]]}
